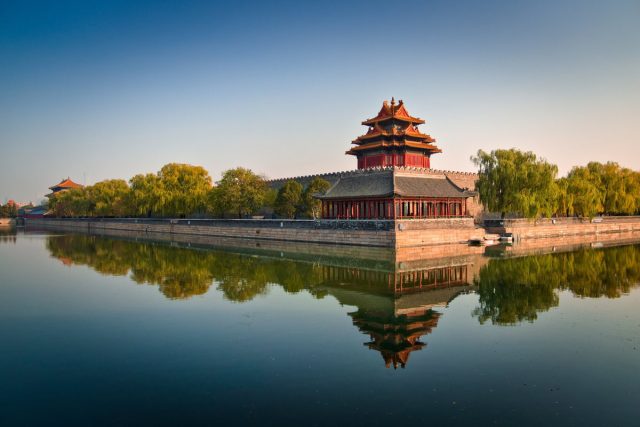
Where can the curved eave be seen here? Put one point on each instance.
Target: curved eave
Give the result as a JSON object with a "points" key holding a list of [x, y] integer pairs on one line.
{"points": [[368, 197], [390, 195], [365, 137], [401, 144], [422, 196], [408, 119]]}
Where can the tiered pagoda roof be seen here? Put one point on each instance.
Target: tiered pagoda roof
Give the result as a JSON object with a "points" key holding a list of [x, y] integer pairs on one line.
{"points": [[394, 127], [395, 337]]}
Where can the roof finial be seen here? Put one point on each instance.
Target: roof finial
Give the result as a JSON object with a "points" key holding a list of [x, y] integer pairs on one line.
{"points": [[393, 101]]}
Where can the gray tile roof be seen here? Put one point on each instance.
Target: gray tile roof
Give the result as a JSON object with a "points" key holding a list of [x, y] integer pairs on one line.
{"points": [[386, 183], [416, 186]]}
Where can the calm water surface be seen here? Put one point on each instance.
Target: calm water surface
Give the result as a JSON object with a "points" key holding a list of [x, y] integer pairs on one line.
{"points": [[104, 331]]}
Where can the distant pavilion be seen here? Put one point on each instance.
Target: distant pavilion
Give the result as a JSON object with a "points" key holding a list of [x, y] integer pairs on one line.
{"points": [[64, 185]]}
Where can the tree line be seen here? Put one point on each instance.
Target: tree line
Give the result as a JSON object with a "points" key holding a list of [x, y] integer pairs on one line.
{"points": [[182, 190], [8, 210], [519, 183]]}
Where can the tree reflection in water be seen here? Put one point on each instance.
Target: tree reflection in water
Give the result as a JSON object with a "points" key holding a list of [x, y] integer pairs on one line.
{"points": [[8, 234], [180, 272], [517, 289], [394, 316]]}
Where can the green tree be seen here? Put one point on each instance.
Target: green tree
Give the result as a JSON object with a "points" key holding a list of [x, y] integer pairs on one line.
{"points": [[601, 188], [633, 188], [147, 195], [240, 192], [310, 205], [564, 203], [270, 197], [289, 199], [586, 197], [8, 210], [185, 189], [73, 202], [512, 181], [109, 197]]}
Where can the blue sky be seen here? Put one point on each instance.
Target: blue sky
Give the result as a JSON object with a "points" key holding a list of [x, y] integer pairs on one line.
{"points": [[97, 90]]}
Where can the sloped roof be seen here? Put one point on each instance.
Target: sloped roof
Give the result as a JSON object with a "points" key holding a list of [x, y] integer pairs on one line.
{"points": [[377, 131], [375, 184], [387, 183], [415, 186], [66, 183], [392, 110]]}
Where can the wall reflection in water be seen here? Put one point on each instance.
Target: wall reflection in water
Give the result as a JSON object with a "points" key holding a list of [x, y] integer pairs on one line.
{"points": [[396, 307]]}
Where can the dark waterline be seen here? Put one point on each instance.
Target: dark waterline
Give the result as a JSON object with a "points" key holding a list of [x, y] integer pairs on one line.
{"points": [[110, 331]]}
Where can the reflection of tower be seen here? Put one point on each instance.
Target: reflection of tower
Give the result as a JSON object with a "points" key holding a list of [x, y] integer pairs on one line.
{"points": [[396, 307], [395, 337]]}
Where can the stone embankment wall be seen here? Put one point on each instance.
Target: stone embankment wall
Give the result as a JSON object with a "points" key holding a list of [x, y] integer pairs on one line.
{"points": [[441, 231], [571, 243], [373, 233], [365, 233], [561, 227]]}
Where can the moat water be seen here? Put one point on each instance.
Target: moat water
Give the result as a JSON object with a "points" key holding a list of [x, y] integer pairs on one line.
{"points": [[113, 331]]}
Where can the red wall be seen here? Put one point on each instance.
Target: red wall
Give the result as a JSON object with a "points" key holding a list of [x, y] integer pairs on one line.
{"points": [[403, 159]]}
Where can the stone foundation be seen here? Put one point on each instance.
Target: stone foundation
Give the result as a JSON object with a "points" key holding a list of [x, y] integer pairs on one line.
{"points": [[385, 234], [523, 229]]}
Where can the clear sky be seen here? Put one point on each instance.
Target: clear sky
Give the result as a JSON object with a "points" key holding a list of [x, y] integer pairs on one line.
{"points": [[96, 90]]}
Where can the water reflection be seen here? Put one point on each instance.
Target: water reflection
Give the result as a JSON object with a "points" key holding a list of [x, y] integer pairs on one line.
{"points": [[517, 289], [8, 234], [395, 307]]}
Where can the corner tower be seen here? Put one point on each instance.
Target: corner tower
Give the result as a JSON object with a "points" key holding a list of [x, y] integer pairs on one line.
{"points": [[393, 139]]}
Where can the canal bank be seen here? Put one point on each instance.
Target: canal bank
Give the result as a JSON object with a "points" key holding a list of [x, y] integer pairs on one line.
{"points": [[525, 229], [372, 233], [417, 233]]}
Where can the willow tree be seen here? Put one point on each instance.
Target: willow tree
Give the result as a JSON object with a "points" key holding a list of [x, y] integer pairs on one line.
{"points": [[586, 196], [72, 202], [516, 182], [185, 189], [240, 191], [565, 199], [147, 195], [616, 185], [109, 198]]}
